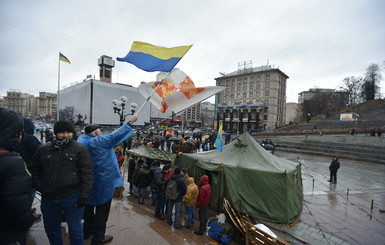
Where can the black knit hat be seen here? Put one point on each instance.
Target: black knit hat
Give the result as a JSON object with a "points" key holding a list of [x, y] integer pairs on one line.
{"points": [[90, 128], [11, 127], [63, 126]]}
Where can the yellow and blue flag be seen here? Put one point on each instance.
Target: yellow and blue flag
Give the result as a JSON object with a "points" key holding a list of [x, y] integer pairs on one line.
{"points": [[151, 58], [218, 141], [63, 58]]}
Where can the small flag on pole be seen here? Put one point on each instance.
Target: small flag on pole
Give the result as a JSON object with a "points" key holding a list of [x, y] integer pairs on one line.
{"points": [[63, 58], [151, 58], [218, 141]]}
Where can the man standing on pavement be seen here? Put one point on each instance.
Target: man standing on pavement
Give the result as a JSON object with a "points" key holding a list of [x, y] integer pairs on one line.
{"points": [[15, 182], [62, 172], [175, 190], [106, 177], [28, 146], [334, 166], [203, 203]]}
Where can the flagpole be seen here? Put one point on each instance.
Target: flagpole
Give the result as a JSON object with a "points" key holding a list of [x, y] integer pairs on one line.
{"points": [[153, 91], [58, 92]]}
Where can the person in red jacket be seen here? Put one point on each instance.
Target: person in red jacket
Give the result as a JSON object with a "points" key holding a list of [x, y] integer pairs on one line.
{"points": [[203, 203]]}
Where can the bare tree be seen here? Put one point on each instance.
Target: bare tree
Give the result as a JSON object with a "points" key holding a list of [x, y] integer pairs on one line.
{"points": [[352, 85], [370, 88]]}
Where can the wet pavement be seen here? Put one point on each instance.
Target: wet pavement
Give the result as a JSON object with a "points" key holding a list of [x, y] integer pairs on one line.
{"points": [[344, 213]]}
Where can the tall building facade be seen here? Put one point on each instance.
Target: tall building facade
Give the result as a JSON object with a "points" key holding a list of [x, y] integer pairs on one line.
{"points": [[254, 99], [27, 105], [207, 115], [191, 117]]}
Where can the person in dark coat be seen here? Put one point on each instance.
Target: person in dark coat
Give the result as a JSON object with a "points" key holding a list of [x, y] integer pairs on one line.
{"points": [[15, 182], [158, 190], [334, 166], [134, 178], [62, 172], [143, 182], [155, 166], [131, 167], [181, 190], [29, 144], [48, 135]]}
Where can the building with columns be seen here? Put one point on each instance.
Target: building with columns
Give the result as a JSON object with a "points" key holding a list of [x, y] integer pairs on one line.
{"points": [[254, 98]]}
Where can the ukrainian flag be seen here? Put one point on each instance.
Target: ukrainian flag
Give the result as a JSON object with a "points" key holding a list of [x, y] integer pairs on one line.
{"points": [[151, 58], [218, 142], [63, 58]]}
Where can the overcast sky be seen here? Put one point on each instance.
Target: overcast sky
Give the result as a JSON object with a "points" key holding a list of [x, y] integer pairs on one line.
{"points": [[316, 43]]}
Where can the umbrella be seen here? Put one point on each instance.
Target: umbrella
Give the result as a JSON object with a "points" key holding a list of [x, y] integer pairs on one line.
{"points": [[173, 139], [206, 137]]}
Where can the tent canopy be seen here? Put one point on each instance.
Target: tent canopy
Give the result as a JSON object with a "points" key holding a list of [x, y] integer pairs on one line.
{"points": [[252, 179], [152, 153]]}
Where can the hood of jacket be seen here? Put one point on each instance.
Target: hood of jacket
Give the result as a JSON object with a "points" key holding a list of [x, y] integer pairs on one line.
{"points": [[190, 180], [11, 127], [29, 127], [204, 180]]}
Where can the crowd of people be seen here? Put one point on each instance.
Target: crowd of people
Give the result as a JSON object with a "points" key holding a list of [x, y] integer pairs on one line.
{"points": [[77, 179], [173, 193]]}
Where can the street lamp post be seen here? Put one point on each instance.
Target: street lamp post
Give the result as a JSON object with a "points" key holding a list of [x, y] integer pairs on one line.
{"points": [[119, 105], [237, 103]]}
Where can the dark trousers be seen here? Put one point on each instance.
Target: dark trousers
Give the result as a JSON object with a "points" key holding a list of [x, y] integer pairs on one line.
{"points": [[333, 176], [202, 218], [159, 203], [95, 221]]}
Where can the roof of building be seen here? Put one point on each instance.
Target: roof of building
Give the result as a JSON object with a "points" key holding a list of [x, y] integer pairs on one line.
{"points": [[252, 70]]}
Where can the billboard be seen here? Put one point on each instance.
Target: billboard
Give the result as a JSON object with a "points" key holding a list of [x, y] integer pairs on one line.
{"points": [[346, 117]]}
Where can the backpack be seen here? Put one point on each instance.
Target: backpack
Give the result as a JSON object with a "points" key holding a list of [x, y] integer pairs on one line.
{"points": [[171, 190]]}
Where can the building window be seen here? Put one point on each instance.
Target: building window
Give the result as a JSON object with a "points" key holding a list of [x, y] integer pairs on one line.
{"points": [[264, 117], [258, 77], [251, 94], [227, 82], [233, 82], [227, 89], [245, 80], [238, 88], [251, 79], [251, 86], [232, 96], [267, 84], [258, 85], [267, 76], [245, 87], [232, 89], [266, 101], [239, 80], [267, 93], [244, 95], [257, 93]]}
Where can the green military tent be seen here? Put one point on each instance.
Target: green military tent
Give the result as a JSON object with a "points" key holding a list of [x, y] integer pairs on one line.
{"points": [[252, 179]]}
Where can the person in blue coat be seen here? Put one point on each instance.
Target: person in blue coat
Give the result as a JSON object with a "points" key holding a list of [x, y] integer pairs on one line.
{"points": [[106, 177]]}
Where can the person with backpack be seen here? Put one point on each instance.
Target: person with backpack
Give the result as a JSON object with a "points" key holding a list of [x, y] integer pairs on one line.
{"points": [[175, 189]]}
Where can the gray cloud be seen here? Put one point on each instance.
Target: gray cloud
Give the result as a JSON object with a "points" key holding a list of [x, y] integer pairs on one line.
{"points": [[316, 43]]}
